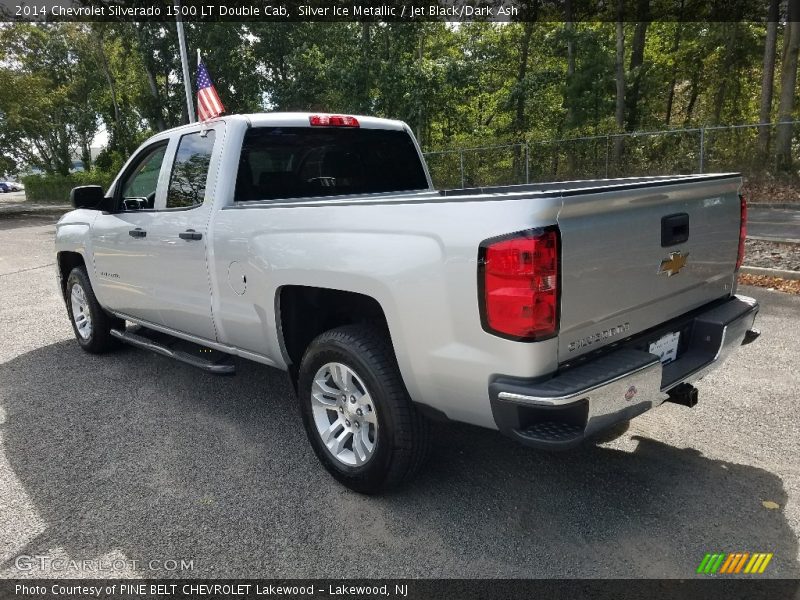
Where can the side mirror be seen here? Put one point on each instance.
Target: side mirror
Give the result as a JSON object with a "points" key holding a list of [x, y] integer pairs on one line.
{"points": [[86, 196]]}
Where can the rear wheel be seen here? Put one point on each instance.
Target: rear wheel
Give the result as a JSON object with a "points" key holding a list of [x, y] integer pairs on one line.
{"points": [[91, 324], [359, 419]]}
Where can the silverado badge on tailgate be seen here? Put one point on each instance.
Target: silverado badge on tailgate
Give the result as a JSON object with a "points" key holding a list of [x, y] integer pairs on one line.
{"points": [[672, 265]]}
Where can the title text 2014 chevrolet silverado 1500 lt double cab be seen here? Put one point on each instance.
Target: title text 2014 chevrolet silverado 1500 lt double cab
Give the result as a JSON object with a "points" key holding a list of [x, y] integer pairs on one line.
{"points": [[316, 244]]}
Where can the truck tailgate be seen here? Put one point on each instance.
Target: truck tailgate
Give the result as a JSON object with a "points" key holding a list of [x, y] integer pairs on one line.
{"points": [[623, 266]]}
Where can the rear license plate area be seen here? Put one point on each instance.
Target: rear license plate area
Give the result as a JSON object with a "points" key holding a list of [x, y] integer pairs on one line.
{"points": [[666, 347]]}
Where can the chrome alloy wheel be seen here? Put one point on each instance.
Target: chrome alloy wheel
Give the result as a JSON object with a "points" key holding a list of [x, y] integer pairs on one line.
{"points": [[344, 414], [80, 312]]}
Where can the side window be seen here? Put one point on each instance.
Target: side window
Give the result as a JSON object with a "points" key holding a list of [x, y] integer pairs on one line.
{"points": [[139, 186], [187, 185]]}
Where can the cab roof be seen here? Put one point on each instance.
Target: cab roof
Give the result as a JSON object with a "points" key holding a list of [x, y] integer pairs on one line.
{"points": [[301, 119]]}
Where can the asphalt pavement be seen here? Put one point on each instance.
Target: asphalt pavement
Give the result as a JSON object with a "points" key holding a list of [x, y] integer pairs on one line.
{"points": [[773, 223], [130, 458]]}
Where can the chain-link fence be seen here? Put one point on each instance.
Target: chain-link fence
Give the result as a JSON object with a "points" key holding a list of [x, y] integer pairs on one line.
{"points": [[674, 151]]}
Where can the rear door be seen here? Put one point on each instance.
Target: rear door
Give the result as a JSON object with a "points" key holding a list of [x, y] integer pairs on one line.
{"points": [[629, 265], [177, 265]]}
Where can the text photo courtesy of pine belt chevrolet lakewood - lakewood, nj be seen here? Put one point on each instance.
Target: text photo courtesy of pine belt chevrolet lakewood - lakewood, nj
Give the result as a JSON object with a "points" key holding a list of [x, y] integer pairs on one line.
{"points": [[292, 328]]}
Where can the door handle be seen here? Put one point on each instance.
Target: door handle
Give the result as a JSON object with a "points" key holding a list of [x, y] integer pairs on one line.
{"points": [[138, 232], [674, 229], [190, 234]]}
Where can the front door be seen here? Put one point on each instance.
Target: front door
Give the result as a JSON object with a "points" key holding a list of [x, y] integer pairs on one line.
{"points": [[179, 239], [122, 247]]}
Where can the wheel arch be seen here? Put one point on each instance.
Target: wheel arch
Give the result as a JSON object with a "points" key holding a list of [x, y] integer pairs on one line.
{"points": [[67, 260], [304, 312]]}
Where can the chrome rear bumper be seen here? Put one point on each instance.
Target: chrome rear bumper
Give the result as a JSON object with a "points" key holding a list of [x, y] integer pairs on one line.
{"points": [[586, 399]]}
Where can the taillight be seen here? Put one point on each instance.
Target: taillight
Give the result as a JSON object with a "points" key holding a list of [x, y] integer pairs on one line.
{"points": [[333, 121], [518, 285], [742, 231]]}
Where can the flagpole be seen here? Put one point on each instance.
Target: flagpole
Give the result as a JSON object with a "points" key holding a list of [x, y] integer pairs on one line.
{"points": [[187, 83], [204, 130]]}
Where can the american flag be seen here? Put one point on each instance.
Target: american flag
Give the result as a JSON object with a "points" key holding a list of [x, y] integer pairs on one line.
{"points": [[208, 103]]}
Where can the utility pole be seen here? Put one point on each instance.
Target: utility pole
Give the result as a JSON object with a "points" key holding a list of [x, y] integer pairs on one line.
{"points": [[187, 83]]}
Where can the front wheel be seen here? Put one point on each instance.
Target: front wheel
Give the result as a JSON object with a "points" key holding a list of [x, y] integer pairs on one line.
{"points": [[359, 419], [91, 324]]}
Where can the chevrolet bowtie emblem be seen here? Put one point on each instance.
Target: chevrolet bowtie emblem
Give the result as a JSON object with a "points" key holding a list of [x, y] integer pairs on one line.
{"points": [[672, 265]]}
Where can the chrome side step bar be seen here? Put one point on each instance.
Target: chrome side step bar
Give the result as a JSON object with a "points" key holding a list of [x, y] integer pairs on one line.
{"points": [[132, 337]]}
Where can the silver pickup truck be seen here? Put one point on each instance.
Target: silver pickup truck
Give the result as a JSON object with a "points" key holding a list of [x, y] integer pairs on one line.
{"points": [[316, 244]]}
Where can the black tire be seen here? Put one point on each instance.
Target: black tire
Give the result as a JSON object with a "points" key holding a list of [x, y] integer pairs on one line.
{"points": [[403, 438], [100, 339]]}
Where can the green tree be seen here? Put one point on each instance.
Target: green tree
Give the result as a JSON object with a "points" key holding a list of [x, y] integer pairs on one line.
{"points": [[47, 96]]}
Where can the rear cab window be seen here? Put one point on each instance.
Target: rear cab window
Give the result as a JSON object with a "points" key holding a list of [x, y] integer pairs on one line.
{"points": [[297, 162]]}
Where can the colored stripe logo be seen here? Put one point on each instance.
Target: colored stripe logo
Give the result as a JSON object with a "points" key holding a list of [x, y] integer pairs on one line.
{"points": [[734, 563]]}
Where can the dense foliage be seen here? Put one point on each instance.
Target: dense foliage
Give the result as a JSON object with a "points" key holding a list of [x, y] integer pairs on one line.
{"points": [[55, 187], [457, 86]]}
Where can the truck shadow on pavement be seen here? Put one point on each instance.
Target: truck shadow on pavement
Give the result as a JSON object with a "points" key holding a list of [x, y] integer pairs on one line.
{"points": [[133, 456]]}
